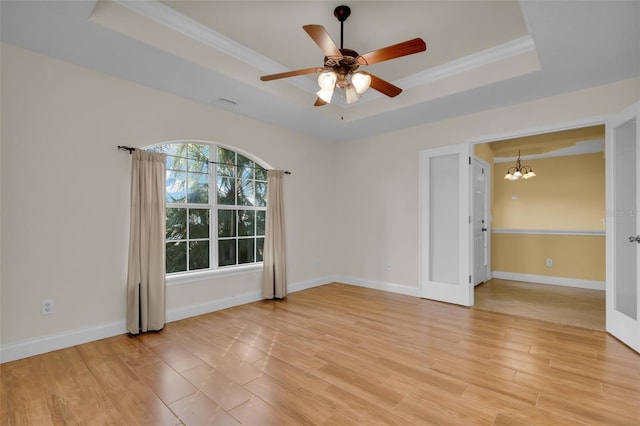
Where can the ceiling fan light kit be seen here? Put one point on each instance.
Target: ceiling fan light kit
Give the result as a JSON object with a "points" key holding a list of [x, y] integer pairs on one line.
{"points": [[341, 65]]}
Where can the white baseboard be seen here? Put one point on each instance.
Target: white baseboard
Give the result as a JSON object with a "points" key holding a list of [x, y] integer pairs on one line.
{"points": [[377, 285], [544, 279], [40, 345], [53, 342]]}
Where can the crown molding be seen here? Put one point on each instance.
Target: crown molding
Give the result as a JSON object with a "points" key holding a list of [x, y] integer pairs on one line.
{"points": [[191, 28], [501, 52]]}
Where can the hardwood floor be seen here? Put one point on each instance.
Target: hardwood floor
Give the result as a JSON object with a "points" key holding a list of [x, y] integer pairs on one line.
{"points": [[333, 355], [563, 305]]}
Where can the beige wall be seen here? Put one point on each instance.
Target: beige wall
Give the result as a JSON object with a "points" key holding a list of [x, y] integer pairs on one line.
{"points": [[65, 193]]}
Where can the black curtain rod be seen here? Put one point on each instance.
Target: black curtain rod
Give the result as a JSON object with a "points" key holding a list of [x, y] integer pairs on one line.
{"points": [[131, 149]]}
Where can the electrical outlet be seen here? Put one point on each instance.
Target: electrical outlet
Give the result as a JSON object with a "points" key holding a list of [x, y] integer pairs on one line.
{"points": [[47, 307], [549, 263]]}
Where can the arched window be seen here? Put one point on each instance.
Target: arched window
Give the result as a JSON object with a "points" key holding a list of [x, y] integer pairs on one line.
{"points": [[216, 207]]}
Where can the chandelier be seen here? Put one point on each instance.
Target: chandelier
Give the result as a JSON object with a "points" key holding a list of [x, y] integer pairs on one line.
{"points": [[354, 85], [519, 171]]}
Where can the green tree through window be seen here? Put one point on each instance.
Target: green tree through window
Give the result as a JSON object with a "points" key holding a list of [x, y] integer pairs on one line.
{"points": [[216, 207]]}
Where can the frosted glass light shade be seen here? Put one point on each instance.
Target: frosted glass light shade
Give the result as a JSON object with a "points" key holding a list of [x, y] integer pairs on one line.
{"points": [[361, 82], [325, 94], [352, 94], [327, 80]]}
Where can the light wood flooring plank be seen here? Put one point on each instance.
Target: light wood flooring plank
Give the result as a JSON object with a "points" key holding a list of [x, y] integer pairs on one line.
{"points": [[333, 355]]}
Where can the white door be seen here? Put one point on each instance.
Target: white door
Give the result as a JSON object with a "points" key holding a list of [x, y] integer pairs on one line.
{"points": [[623, 226], [444, 225], [480, 178]]}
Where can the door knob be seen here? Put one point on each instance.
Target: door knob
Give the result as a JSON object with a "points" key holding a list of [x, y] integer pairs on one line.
{"points": [[634, 239], [483, 229]]}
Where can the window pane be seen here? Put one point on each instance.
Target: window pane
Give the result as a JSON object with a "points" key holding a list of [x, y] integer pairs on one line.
{"points": [[198, 223], [226, 191], [174, 149], [259, 249], [198, 152], [176, 163], [176, 257], [261, 173], [226, 162], [246, 192], [198, 166], [261, 217], [245, 250], [245, 167], [198, 255], [226, 223], [261, 194], [198, 188], [176, 187], [226, 252], [246, 222], [176, 224]]}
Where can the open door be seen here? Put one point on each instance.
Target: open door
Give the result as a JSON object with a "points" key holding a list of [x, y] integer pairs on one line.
{"points": [[444, 225], [480, 223], [623, 226]]}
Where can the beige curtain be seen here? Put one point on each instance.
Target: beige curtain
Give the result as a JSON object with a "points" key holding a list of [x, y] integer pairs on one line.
{"points": [[274, 275], [146, 274]]}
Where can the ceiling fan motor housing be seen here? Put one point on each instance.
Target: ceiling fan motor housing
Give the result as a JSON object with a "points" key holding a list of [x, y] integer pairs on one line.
{"points": [[347, 64]]}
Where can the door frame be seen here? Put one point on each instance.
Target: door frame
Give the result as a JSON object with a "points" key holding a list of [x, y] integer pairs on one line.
{"points": [[532, 131]]}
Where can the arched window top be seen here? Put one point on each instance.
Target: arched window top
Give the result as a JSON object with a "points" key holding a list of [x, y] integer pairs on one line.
{"points": [[216, 206]]}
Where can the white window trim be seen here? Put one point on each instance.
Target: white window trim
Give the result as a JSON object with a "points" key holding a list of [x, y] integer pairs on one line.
{"points": [[179, 278]]}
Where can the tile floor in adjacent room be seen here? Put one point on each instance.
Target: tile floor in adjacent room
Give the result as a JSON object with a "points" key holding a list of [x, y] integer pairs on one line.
{"points": [[563, 305]]}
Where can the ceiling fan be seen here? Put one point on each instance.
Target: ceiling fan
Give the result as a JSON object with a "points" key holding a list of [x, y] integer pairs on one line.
{"points": [[341, 65]]}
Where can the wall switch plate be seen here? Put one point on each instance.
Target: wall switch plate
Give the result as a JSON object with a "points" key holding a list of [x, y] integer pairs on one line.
{"points": [[549, 263]]}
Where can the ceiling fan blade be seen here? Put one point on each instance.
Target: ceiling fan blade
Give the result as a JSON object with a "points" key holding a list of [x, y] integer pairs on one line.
{"points": [[405, 48], [384, 86], [319, 102], [290, 74], [323, 40]]}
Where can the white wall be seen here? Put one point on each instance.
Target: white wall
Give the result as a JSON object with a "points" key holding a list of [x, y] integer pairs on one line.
{"points": [[65, 198], [377, 198]]}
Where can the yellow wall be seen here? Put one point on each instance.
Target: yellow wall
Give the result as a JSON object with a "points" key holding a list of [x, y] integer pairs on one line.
{"points": [[574, 256], [567, 194], [484, 152]]}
